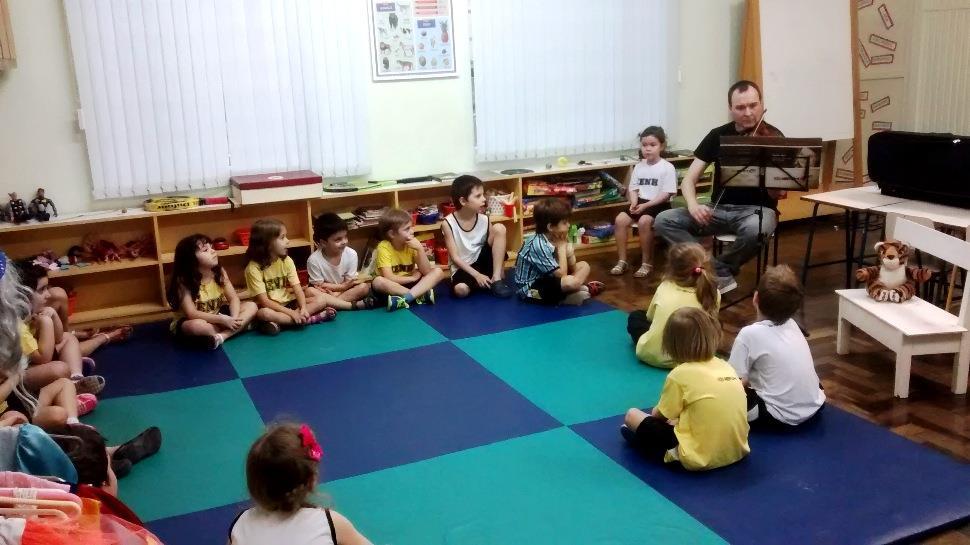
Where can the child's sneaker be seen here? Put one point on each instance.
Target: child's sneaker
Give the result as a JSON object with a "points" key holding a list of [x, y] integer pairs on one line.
{"points": [[395, 302], [426, 299], [628, 434], [595, 287], [269, 328], [86, 403], [502, 290], [92, 384], [215, 341], [367, 303], [87, 366]]}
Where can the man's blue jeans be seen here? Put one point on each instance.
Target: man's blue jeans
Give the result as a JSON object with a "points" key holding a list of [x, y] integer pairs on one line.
{"points": [[677, 225]]}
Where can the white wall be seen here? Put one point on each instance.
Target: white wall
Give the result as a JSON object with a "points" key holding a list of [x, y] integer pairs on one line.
{"points": [[417, 127]]}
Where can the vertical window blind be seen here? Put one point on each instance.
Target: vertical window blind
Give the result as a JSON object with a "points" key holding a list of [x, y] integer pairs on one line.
{"points": [[941, 67], [570, 77], [181, 94]]}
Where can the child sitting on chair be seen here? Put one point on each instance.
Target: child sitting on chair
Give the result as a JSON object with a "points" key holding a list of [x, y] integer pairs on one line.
{"points": [[281, 472], [653, 183], [546, 270], [406, 274], [332, 267], [475, 247], [688, 282], [773, 359], [700, 419]]}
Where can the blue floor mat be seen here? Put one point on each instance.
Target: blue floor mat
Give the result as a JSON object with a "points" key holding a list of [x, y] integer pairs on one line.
{"points": [[149, 362], [208, 526], [840, 480], [482, 313], [376, 412]]}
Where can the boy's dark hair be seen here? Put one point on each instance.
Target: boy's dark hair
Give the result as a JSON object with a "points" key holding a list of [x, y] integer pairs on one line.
{"points": [[780, 294], [550, 211], [327, 225], [742, 86], [462, 187], [279, 474], [84, 445], [261, 234], [30, 272], [392, 219]]}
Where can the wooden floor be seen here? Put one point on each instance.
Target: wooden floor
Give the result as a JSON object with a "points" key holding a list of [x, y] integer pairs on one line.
{"points": [[861, 382]]}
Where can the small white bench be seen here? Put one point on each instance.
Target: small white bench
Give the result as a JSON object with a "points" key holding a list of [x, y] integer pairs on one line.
{"points": [[915, 327]]}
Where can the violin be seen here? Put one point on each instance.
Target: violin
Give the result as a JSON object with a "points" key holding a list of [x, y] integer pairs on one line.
{"points": [[767, 129], [762, 128]]}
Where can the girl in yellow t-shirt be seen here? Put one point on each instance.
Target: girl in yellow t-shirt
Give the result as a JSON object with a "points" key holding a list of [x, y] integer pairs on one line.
{"points": [[701, 419], [206, 305], [273, 283], [688, 282]]}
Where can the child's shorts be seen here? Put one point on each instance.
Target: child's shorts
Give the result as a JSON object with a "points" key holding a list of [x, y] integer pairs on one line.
{"points": [[546, 290], [652, 211], [482, 265]]}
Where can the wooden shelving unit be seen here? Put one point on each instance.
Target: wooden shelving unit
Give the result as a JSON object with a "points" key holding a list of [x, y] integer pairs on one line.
{"points": [[134, 291]]}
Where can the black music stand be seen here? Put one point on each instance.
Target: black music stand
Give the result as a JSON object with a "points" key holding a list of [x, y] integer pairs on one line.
{"points": [[790, 164]]}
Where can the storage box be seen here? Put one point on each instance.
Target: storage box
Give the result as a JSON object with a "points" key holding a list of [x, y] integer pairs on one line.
{"points": [[276, 186]]}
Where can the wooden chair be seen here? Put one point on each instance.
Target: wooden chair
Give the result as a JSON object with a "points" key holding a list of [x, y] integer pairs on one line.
{"points": [[915, 327]]}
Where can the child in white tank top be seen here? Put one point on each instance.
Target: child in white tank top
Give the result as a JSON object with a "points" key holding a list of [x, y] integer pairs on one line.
{"points": [[281, 473], [476, 249]]}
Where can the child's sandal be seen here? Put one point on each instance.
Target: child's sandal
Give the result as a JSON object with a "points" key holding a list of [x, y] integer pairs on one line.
{"points": [[595, 288], [620, 268], [643, 271], [328, 314]]}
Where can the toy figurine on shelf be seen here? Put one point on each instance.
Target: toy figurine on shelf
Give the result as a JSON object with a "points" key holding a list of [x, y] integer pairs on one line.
{"points": [[38, 206], [16, 211]]}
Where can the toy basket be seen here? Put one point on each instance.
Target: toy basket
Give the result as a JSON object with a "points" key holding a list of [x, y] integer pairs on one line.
{"points": [[497, 201]]}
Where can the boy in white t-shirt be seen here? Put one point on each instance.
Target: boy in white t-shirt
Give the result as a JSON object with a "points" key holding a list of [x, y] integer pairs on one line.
{"points": [[332, 267], [476, 248], [653, 183], [773, 359]]}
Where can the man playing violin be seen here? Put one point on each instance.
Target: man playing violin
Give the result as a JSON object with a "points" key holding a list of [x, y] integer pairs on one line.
{"points": [[734, 210]]}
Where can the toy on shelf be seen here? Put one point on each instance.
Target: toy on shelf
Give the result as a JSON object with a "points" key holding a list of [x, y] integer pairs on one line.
{"points": [[16, 211], [220, 244], [427, 215], [140, 247], [892, 281], [39, 206], [100, 250], [47, 260]]}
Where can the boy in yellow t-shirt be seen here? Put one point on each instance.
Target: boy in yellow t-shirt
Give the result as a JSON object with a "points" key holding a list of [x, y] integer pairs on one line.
{"points": [[405, 275], [701, 418]]}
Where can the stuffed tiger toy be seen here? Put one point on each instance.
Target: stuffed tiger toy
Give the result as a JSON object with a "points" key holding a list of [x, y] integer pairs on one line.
{"points": [[892, 280]]}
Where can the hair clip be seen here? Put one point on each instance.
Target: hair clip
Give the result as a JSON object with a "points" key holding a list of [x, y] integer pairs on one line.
{"points": [[697, 271], [3, 263], [313, 449]]}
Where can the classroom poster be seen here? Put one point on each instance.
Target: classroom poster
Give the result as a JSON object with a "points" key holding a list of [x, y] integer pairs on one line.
{"points": [[412, 39]]}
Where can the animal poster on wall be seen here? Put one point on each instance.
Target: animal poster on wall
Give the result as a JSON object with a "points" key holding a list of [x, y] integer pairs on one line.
{"points": [[412, 39]]}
